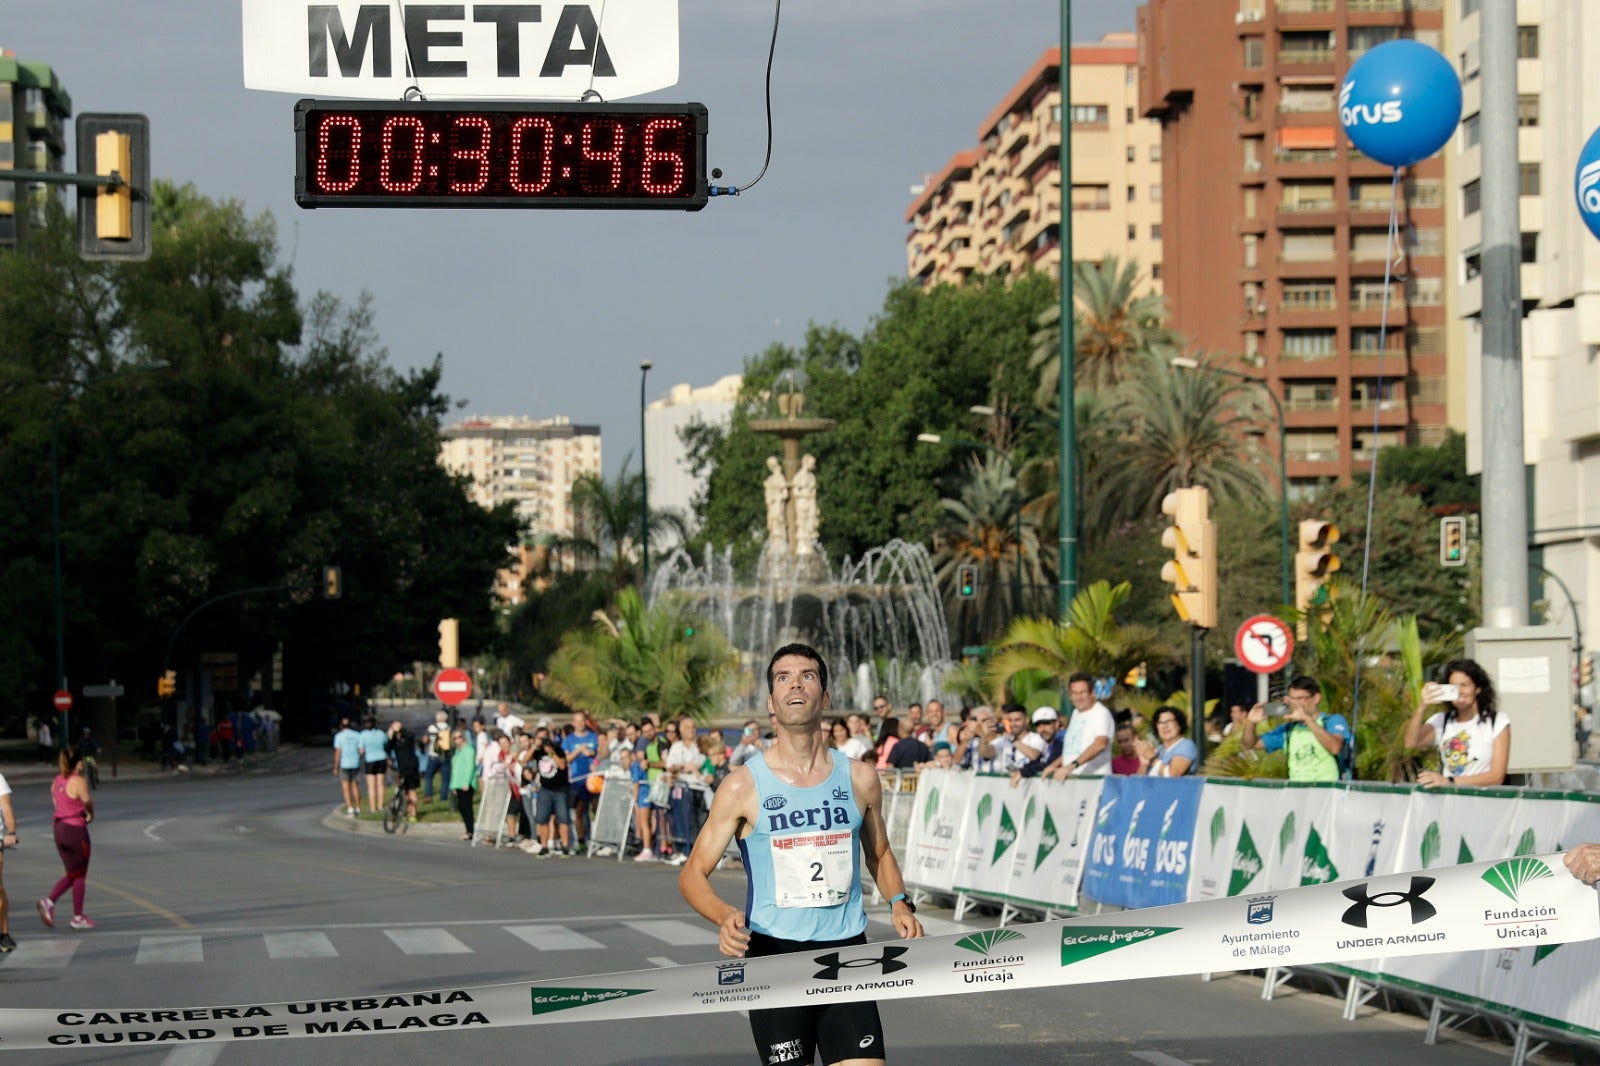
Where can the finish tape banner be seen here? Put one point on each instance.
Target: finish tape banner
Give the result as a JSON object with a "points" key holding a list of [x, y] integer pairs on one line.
{"points": [[1528, 902]]}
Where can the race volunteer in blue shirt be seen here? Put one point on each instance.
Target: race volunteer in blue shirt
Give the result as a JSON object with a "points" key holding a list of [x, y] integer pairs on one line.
{"points": [[1318, 743], [807, 818], [347, 765]]}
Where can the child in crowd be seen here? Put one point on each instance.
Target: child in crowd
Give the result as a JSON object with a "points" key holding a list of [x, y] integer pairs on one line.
{"points": [[643, 812]]}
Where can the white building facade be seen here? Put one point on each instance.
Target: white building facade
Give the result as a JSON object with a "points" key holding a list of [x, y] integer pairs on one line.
{"points": [[672, 485]]}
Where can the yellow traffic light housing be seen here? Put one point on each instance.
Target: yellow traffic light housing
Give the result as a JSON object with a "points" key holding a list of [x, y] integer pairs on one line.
{"points": [[114, 219], [1192, 570], [449, 643], [167, 684], [332, 582], [1314, 563], [967, 581], [113, 207], [1453, 541]]}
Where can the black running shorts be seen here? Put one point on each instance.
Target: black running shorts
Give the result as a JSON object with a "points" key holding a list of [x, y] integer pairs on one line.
{"points": [[792, 1035]]}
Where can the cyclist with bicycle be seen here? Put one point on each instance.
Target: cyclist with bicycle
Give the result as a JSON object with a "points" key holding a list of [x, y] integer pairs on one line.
{"points": [[402, 750]]}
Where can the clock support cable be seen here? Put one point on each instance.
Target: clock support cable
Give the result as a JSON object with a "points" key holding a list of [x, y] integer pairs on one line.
{"points": [[772, 47]]}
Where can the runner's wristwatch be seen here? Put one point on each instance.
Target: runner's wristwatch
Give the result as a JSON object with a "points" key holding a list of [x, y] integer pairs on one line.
{"points": [[902, 898]]}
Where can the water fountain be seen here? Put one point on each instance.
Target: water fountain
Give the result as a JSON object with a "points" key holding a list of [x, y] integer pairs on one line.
{"points": [[879, 620]]}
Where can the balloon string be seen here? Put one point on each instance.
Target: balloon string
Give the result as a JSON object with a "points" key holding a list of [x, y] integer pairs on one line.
{"points": [[1372, 446]]}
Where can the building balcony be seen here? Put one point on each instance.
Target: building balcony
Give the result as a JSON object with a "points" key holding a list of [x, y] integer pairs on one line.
{"points": [[965, 259], [1378, 7], [1305, 7], [1301, 404], [1312, 456], [1391, 412], [1300, 358], [952, 234], [1306, 59], [1318, 103], [1305, 300], [1020, 208], [1042, 148], [1308, 213], [1306, 268]]}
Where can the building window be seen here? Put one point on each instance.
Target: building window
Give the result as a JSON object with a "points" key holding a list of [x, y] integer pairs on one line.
{"points": [[1255, 53], [1155, 271], [1471, 198], [1470, 132], [1528, 109], [1133, 154], [1155, 231], [1090, 115], [1155, 194], [1530, 179], [1128, 116], [1155, 152], [1530, 247], [1369, 245], [1527, 42], [1471, 264], [1425, 242], [1307, 246], [1132, 194], [1425, 192], [1364, 38], [1133, 231], [1250, 203], [1308, 344], [1251, 244], [1091, 197], [1250, 104]]}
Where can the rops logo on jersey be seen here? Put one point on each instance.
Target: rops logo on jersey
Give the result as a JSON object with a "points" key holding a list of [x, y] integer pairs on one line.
{"points": [[775, 803]]}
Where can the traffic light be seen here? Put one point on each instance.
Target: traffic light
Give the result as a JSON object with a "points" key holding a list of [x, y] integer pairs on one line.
{"points": [[1138, 677], [332, 582], [449, 643], [1453, 541], [114, 221], [967, 581], [1313, 565], [1192, 570], [167, 684]]}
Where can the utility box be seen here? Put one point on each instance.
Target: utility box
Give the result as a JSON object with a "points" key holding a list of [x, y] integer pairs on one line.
{"points": [[1531, 667]]}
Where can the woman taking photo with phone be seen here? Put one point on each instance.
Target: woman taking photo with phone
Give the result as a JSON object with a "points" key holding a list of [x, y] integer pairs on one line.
{"points": [[1474, 741]]}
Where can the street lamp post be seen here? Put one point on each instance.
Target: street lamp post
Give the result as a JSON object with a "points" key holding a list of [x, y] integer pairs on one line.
{"points": [[73, 387], [644, 488], [1067, 386], [1016, 576], [1185, 363]]}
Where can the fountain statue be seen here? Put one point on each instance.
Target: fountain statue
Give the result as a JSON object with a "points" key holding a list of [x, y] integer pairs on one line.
{"points": [[879, 621]]}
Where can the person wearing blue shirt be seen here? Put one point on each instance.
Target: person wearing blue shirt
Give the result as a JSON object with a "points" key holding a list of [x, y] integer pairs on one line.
{"points": [[582, 748], [375, 760], [1177, 755], [347, 765], [1318, 743]]}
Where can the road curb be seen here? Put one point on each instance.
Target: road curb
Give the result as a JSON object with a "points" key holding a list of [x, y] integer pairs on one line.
{"points": [[336, 819]]}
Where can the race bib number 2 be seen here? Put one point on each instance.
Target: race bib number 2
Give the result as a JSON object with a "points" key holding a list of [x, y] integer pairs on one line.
{"points": [[813, 869]]}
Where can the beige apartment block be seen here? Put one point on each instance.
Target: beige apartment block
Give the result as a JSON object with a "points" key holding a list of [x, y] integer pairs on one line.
{"points": [[532, 464], [1558, 107], [996, 208]]}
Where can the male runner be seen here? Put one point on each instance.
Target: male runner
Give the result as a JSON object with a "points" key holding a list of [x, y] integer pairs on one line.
{"points": [[804, 895]]}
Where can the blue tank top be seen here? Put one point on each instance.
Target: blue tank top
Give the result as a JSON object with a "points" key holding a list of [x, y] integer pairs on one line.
{"points": [[805, 849]]}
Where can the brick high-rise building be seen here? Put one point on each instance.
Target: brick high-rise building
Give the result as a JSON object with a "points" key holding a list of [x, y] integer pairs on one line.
{"points": [[996, 208], [1276, 227]]}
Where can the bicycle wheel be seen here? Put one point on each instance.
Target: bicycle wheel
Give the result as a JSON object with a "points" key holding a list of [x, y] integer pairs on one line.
{"points": [[392, 814]]}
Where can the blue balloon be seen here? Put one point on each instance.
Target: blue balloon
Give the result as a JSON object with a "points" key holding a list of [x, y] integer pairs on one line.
{"points": [[1400, 102], [1588, 183]]}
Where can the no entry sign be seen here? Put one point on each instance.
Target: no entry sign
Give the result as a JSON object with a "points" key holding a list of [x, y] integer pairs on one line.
{"points": [[62, 700], [453, 686]]}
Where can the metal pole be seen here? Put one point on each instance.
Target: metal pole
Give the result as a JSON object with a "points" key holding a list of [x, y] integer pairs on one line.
{"points": [[1505, 499], [1067, 398], [644, 489], [55, 541], [1016, 577], [1197, 693]]}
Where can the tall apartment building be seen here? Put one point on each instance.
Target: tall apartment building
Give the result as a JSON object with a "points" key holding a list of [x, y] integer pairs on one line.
{"points": [[533, 464], [996, 208], [1276, 227], [34, 110], [672, 485], [1558, 107]]}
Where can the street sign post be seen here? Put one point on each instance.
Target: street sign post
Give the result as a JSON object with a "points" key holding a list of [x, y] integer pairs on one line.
{"points": [[453, 686], [1264, 644]]}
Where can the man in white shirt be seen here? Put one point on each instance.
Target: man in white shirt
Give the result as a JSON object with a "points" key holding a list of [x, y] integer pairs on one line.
{"points": [[1087, 746], [8, 839], [860, 745], [506, 722]]}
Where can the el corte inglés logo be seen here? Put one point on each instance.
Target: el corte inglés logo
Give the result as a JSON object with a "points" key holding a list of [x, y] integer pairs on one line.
{"points": [[1078, 946], [549, 1000]]}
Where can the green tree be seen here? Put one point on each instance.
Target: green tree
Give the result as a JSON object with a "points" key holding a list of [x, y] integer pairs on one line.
{"points": [[1115, 330], [661, 659], [607, 517], [980, 528], [1090, 639], [1436, 474]]}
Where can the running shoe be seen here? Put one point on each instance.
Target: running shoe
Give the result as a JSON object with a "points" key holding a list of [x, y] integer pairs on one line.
{"points": [[645, 856], [6, 943], [532, 847], [679, 859], [47, 912], [81, 922]]}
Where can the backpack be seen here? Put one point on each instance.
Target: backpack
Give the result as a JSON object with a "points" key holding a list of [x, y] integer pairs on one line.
{"points": [[1346, 756]]}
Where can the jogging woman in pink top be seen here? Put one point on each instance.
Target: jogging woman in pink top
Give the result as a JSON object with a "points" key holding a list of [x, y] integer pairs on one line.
{"points": [[74, 812]]}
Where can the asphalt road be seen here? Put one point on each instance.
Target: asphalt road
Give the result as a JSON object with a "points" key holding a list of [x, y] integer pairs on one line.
{"points": [[232, 889]]}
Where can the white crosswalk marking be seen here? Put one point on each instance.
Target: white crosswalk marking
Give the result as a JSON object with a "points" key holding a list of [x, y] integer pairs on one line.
{"points": [[50, 953], [299, 945], [553, 937], [678, 934], [169, 949], [427, 942]]}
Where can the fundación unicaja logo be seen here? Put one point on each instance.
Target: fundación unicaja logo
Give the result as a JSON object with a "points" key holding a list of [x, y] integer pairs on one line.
{"points": [[930, 807], [982, 943], [1509, 876], [1219, 828]]}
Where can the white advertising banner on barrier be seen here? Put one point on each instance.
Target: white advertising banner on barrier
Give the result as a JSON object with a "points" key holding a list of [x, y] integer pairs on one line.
{"points": [[1305, 819], [500, 51], [1451, 909], [1049, 872], [987, 834], [934, 836], [1226, 859]]}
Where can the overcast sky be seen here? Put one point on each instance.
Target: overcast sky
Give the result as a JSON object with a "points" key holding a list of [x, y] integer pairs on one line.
{"points": [[545, 313]]}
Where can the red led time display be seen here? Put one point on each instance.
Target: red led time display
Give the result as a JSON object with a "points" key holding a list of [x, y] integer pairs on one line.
{"points": [[379, 154]]}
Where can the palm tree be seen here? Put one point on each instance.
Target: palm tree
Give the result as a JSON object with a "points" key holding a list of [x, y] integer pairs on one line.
{"points": [[1185, 428], [979, 528], [1089, 639], [661, 658], [1100, 485], [606, 520], [1112, 329]]}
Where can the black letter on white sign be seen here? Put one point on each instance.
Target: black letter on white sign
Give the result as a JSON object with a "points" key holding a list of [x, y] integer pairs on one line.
{"points": [[420, 39], [324, 25], [507, 19], [577, 21]]}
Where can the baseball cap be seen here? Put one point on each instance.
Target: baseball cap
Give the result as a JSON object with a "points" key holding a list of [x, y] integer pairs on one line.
{"points": [[1045, 714], [941, 745]]}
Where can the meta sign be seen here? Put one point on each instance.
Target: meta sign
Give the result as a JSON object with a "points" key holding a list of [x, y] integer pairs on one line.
{"points": [[510, 51], [367, 154]]}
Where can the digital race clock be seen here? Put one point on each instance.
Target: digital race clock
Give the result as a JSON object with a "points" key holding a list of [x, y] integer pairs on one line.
{"points": [[379, 154]]}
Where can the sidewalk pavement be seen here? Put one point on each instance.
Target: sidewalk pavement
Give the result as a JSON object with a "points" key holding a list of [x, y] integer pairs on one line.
{"points": [[139, 769]]}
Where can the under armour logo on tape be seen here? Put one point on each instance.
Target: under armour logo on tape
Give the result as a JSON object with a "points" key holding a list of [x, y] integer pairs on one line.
{"points": [[1421, 909], [831, 964]]}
